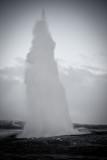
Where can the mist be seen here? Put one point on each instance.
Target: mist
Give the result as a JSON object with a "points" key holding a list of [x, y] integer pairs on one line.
{"points": [[48, 110]]}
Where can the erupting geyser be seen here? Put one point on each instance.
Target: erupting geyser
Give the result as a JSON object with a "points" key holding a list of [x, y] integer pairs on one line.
{"points": [[48, 110]]}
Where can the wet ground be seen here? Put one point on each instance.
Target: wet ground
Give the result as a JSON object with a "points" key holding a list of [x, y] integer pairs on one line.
{"points": [[87, 147]]}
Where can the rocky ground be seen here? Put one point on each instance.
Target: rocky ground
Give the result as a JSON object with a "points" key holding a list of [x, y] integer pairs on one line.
{"points": [[86, 147]]}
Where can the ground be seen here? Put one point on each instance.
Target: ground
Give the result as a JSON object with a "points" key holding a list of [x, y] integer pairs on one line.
{"points": [[86, 147]]}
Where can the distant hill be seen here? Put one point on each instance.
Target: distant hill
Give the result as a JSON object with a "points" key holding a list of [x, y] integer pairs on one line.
{"points": [[90, 126], [12, 124], [4, 124]]}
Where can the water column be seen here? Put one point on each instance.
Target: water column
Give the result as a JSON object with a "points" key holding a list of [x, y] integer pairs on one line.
{"points": [[46, 100]]}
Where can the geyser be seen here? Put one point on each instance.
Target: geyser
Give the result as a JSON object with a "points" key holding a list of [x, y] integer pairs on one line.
{"points": [[48, 110]]}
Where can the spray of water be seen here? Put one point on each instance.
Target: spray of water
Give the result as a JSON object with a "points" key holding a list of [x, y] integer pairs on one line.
{"points": [[48, 110]]}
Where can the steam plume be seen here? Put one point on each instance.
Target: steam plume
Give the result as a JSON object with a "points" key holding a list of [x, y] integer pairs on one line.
{"points": [[48, 110]]}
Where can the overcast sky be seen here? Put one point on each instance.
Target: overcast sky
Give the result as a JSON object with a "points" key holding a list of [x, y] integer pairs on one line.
{"points": [[79, 29]]}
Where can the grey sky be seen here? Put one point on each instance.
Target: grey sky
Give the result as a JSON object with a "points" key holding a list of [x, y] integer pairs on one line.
{"points": [[79, 28]]}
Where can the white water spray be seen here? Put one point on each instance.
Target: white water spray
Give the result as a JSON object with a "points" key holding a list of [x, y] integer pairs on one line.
{"points": [[48, 110]]}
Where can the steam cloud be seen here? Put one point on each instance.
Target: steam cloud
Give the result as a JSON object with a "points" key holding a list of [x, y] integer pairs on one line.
{"points": [[48, 110]]}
